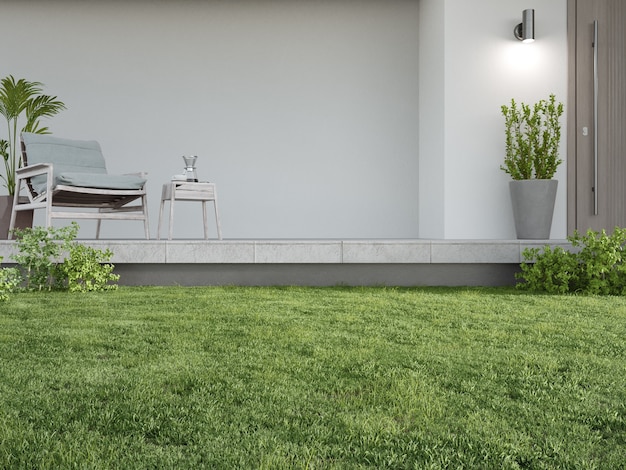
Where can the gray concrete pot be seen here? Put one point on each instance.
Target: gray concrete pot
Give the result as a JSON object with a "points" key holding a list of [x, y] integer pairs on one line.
{"points": [[24, 218], [533, 207]]}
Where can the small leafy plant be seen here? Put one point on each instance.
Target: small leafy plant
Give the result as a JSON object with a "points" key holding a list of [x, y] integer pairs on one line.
{"points": [[39, 255], [49, 258], [596, 265], [86, 269], [533, 134], [9, 281]]}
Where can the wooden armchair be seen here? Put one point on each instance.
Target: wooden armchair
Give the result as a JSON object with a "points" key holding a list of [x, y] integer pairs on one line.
{"points": [[72, 174]]}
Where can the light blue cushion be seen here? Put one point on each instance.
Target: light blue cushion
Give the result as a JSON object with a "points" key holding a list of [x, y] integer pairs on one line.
{"points": [[100, 180], [70, 160]]}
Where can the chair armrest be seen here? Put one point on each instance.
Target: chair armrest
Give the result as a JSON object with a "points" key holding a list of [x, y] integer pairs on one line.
{"points": [[41, 171], [34, 170]]}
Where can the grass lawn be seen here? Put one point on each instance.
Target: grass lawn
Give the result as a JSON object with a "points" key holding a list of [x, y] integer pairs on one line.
{"points": [[313, 378]]}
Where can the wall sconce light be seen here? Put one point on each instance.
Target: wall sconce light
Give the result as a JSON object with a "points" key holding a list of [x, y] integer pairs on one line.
{"points": [[525, 31]]}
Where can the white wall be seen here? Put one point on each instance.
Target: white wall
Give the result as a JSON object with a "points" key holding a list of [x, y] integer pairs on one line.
{"points": [[305, 113], [432, 142], [484, 67], [310, 116]]}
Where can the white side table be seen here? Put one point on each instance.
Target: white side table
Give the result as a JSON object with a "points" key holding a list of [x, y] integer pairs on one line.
{"points": [[187, 191]]}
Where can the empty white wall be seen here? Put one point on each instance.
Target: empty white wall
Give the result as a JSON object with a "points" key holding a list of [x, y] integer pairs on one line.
{"points": [[477, 65], [305, 113], [432, 142]]}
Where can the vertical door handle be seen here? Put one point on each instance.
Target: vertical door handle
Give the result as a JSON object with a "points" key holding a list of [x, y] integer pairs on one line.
{"points": [[595, 117]]}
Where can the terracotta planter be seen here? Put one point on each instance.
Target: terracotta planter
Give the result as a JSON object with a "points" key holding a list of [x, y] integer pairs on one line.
{"points": [[533, 207], [24, 218]]}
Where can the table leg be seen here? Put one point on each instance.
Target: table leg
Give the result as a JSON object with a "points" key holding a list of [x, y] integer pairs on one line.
{"points": [[204, 220], [160, 218], [217, 220]]}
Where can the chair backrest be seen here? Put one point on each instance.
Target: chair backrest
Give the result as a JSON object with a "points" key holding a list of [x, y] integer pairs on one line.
{"points": [[77, 156]]}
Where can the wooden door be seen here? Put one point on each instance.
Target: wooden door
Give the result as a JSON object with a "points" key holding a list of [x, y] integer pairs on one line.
{"points": [[597, 176]]}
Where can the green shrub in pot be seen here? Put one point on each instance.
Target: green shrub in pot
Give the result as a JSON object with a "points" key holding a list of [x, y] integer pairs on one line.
{"points": [[533, 135]]}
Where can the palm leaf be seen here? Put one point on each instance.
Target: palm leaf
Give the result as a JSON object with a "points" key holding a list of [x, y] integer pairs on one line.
{"points": [[14, 96], [41, 106], [22, 99]]}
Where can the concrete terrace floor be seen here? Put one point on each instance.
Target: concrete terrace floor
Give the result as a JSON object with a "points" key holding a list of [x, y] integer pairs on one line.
{"points": [[324, 262]]}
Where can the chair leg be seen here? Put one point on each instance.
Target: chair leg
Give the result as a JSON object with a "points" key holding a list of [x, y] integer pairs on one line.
{"points": [[48, 210], [146, 224], [171, 228]]}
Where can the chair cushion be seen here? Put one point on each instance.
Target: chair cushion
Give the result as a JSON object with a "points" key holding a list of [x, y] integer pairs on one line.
{"points": [[99, 180], [75, 163]]}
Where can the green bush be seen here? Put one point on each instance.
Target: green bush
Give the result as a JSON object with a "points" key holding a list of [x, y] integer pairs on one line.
{"points": [[533, 134], [9, 280], [86, 269], [595, 266], [39, 255], [49, 258]]}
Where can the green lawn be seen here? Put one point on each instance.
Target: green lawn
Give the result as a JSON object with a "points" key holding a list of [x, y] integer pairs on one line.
{"points": [[312, 378]]}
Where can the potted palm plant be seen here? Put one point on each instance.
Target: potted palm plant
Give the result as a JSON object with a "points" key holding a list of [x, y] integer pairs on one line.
{"points": [[533, 135], [23, 105]]}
